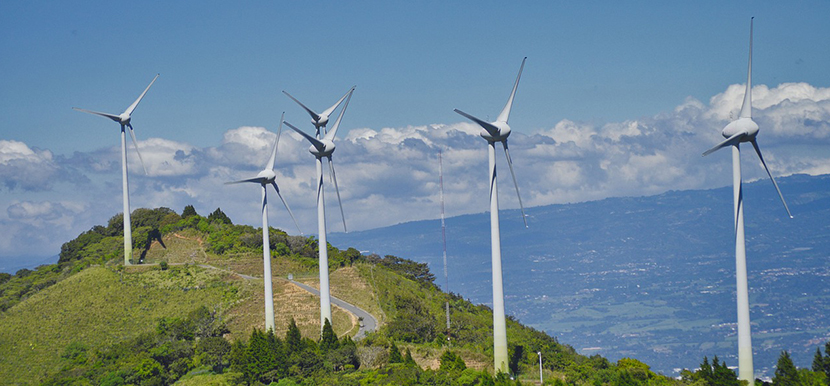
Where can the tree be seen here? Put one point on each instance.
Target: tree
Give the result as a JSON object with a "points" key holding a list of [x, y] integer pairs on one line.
{"points": [[345, 357], [219, 216], [279, 365], [395, 354], [408, 360], [189, 211], [293, 339], [451, 361], [413, 321], [818, 361], [706, 374], [328, 340], [827, 360], [261, 357], [515, 359], [786, 373], [213, 351], [723, 375]]}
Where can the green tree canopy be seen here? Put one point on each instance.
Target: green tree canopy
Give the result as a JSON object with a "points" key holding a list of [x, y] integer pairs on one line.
{"points": [[786, 373]]}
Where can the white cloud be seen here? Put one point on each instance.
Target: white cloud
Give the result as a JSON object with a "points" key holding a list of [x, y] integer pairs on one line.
{"points": [[390, 175], [26, 168]]}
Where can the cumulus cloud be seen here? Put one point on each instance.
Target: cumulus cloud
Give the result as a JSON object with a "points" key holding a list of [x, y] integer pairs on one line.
{"points": [[390, 175], [26, 168]]}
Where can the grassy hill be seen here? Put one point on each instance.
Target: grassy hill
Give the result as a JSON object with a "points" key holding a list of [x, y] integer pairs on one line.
{"points": [[192, 313]]}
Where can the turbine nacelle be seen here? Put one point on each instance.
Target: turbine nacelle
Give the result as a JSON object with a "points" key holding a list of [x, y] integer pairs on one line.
{"points": [[325, 150], [746, 126], [320, 119], [267, 176], [499, 135], [124, 119], [322, 122]]}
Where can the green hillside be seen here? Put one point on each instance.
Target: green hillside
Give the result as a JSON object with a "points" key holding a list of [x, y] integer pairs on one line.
{"points": [[191, 313]]}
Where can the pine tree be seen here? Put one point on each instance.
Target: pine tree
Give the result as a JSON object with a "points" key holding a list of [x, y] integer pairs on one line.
{"points": [[293, 339], [395, 354], [450, 361], [723, 375], [408, 360], [818, 361], [786, 373], [275, 346], [706, 373], [328, 341], [261, 358], [189, 211], [827, 360], [515, 359], [219, 216]]}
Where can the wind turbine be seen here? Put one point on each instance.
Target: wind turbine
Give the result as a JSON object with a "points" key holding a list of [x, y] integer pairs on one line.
{"points": [[324, 147], [321, 119], [744, 129], [124, 120], [493, 132], [264, 178]]}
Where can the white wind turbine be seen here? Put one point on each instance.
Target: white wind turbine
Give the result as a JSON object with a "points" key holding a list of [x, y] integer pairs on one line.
{"points": [[493, 132], [321, 119], [124, 120], [324, 147], [744, 129], [264, 178]]}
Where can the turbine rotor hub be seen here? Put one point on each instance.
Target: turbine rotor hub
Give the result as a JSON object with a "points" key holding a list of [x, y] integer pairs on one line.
{"points": [[322, 122], [503, 133], [268, 176], [328, 149], [741, 125]]}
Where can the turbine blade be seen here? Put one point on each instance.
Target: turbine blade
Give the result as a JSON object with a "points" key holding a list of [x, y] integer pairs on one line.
{"points": [[330, 135], [727, 142], [258, 180], [105, 115], [314, 141], [746, 107], [505, 113], [337, 190], [132, 107], [277, 188], [493, 130], [510, 163], [758, 151], [273, 159], [329, 110], [135, 143], [314, 115]]}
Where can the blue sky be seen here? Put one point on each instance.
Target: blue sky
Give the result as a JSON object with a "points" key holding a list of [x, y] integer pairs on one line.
{"points": [[614, 70]]}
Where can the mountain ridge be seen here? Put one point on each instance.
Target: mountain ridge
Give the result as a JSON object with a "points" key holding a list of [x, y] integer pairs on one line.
{"points": [[627, 276]]}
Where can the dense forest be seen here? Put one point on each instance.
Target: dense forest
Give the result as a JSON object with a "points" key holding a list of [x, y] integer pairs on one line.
{"points": [[197, 342]]}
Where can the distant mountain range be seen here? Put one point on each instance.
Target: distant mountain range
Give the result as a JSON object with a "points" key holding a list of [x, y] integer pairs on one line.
{"points": [[12, 264], [646, 277]]}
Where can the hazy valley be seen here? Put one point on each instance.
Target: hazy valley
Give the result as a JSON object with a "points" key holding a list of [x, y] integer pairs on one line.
{"points": [[647, 277]]}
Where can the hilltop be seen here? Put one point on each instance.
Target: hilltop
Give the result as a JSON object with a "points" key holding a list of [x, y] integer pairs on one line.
{"points": [[89, 319]]}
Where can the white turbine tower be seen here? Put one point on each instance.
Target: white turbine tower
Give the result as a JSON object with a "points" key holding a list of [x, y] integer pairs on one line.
{"points": [[264, 178], [124, 120], [744, 129], [321, 119], [493, 132], [324, 147]]}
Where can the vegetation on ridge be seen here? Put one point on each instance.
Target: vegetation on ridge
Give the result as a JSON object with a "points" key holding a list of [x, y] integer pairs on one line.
{"points": [[191, 319]]}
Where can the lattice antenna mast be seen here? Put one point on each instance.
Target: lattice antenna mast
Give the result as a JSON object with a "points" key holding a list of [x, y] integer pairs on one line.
{"points": [[444, 237]]}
